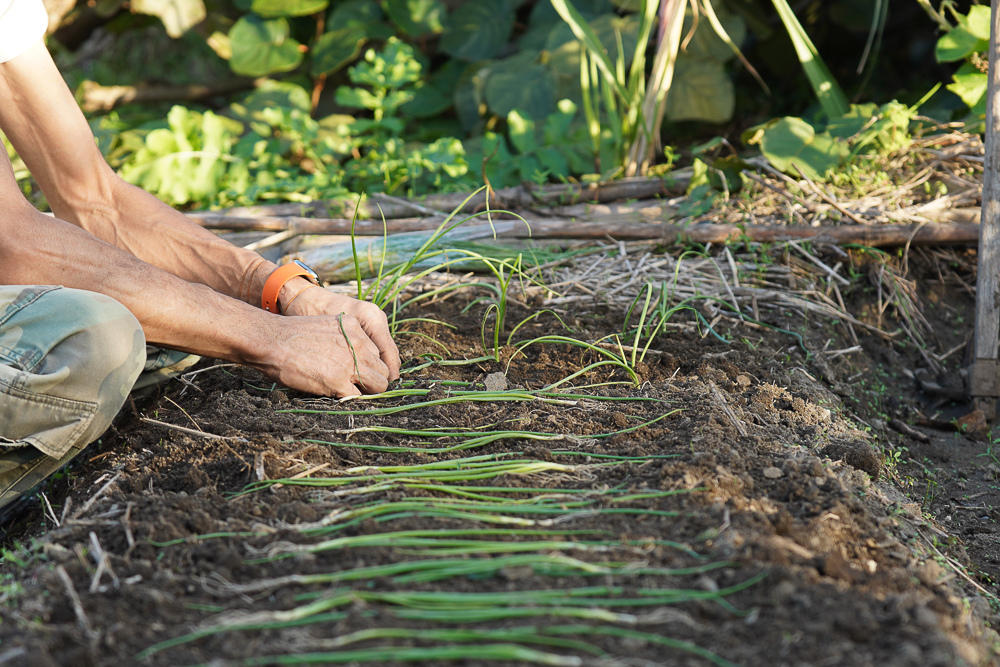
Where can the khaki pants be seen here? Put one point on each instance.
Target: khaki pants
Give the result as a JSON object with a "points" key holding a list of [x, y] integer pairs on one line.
{"points": [[68, 360]]}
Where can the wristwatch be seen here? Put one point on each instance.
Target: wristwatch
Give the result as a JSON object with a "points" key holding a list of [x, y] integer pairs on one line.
{"points": [[277, 280]]}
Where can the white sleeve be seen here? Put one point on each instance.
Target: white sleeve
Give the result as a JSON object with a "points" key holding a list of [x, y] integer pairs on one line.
{"points": [[22, 23]]}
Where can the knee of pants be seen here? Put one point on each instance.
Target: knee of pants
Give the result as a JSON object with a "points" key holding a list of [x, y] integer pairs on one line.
{"points": [[79, 348], [112, 352]]}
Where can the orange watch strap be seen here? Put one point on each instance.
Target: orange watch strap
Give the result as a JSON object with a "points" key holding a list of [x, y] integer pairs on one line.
{"points": [[277, 280]]}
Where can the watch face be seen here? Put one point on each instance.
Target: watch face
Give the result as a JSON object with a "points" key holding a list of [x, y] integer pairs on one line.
{"points": [[312, 273]]}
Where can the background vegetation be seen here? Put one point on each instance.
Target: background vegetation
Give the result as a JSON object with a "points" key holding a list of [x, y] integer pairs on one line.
{"points": [[241, 101]]}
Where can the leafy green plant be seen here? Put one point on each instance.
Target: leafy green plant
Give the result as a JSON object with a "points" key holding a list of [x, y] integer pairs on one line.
{"points": [[556, 149], [277, 152], [966, 41], [384, 82], [816, 149]]}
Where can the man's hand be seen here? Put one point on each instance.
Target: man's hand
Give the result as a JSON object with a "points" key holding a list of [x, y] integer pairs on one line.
{"points": [[330, 355], [374, 326]]}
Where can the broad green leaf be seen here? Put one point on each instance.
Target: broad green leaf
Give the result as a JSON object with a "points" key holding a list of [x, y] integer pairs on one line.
{"points": [[831, 97], [262, 47], [958, 44], [337, 48], [591, 42], [478, 30], [794, 141], [281, 94], [701, 90], [978, 22], [427, 101], [272, 9], [970, 85], [416, 17], [530, 89], [178, 16], [522, 132], [971, 35], [363, 12]]}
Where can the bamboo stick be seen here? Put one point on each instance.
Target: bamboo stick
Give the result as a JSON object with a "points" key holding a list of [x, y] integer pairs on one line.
{"points": [[875, 236]]}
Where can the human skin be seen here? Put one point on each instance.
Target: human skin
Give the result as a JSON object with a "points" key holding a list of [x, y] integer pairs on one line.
{"points": [[181, 282]]}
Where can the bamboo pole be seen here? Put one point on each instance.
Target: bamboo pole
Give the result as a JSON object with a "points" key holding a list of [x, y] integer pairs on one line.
{"points": [[984, 375], [875, 236]]}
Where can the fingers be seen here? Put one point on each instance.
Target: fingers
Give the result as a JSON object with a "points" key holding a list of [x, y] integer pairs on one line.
{"points": [[370, 372], [376, 325]]}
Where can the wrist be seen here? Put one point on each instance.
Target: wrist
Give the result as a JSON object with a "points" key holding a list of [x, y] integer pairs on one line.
{"points": [[257, 278]]}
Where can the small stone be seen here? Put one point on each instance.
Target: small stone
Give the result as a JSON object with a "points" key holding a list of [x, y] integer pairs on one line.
{"points": [[929, 573], [773, 473], [496, 382]]}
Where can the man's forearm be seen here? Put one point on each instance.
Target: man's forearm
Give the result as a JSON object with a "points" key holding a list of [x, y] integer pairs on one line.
{"points": [[145, 227], [43, 120], [36, 249]]}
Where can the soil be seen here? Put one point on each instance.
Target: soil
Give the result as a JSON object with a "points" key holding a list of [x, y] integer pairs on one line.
{"points": [[871, 547]]}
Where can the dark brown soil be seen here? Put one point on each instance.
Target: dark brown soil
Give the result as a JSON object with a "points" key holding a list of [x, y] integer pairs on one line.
{"points": [[777, 474]]}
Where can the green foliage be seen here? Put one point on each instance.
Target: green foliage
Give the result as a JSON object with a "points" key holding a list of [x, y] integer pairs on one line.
{"points": [[536, 152], [268, 147], [390, 79], [262, 47], [185, 161], [795, 146], [207, 159], [965, 41]]}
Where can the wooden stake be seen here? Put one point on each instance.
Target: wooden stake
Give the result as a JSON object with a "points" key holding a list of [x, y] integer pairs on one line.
{"points": [[984, 376]]}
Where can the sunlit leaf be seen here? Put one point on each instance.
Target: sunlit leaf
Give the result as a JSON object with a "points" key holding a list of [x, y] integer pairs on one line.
{"points": [[971, 35], [522, 132], [178, 16], [280, 94], [416, 17], [279, 8], [970, 85], [262, 47], [792, 145]]}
